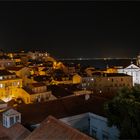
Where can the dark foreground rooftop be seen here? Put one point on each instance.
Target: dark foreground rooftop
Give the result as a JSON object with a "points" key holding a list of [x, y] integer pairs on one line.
{"points": [[53, 129], [64, 107], [16, 132]]}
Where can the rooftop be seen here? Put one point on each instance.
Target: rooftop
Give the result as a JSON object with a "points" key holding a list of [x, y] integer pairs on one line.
{"points": [[60, 108], [5, 72], [2, 102], [42, 78], [19, 132], [38, 84], [110, 74], [4, 133], [53, 129], [11, 112], [4, 57], [16, 132], [14, 68], [60, 91]]}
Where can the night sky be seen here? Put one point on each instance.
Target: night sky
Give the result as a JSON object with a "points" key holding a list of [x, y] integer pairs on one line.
{"points": [[71, 29]]}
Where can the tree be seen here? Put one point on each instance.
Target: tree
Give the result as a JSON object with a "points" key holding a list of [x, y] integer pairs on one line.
{"points": [[123, 111]]}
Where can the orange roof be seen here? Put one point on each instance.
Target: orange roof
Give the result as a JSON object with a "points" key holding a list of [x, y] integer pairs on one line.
{"points": [[53, 129], [16, 132], [4, 133]]}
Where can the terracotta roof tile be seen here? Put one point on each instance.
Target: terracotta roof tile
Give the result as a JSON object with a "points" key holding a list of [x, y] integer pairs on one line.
{"points": [[53, 129], [4, 133], [16, 132], [19, 132]]}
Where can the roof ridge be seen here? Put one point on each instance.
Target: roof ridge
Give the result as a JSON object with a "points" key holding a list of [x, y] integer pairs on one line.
{"points": [[57, 121]]}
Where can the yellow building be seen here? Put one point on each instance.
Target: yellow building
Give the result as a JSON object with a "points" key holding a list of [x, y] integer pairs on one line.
{"points": [[10, 85], [17, 59], [36, 92], [22, 72], [111, 70], [76, 79], [107, 82]]}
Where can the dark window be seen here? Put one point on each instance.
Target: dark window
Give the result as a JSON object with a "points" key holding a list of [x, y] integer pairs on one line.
{"points": [[17, 118], [116, 85], [105, 137], [94, 132], [11, 120], [5, 122], [85, 130]]}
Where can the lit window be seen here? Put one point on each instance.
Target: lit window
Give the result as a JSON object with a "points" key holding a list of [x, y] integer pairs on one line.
{"points": [[100, 91], [92, 79], [18, 83], [1, 85], [1, 77]]}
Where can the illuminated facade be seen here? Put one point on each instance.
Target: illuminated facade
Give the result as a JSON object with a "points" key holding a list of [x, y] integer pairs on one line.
{"points": [[89, 71], [107, 82], [36, 92], [37, 55], [22, 72], [132, 70], [6, 63], [10, 85], [76, 79], [111, 70], [138, 60]]}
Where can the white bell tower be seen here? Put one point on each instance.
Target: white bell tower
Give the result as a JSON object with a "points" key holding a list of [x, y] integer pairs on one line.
{"points": [[138, 60]]}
